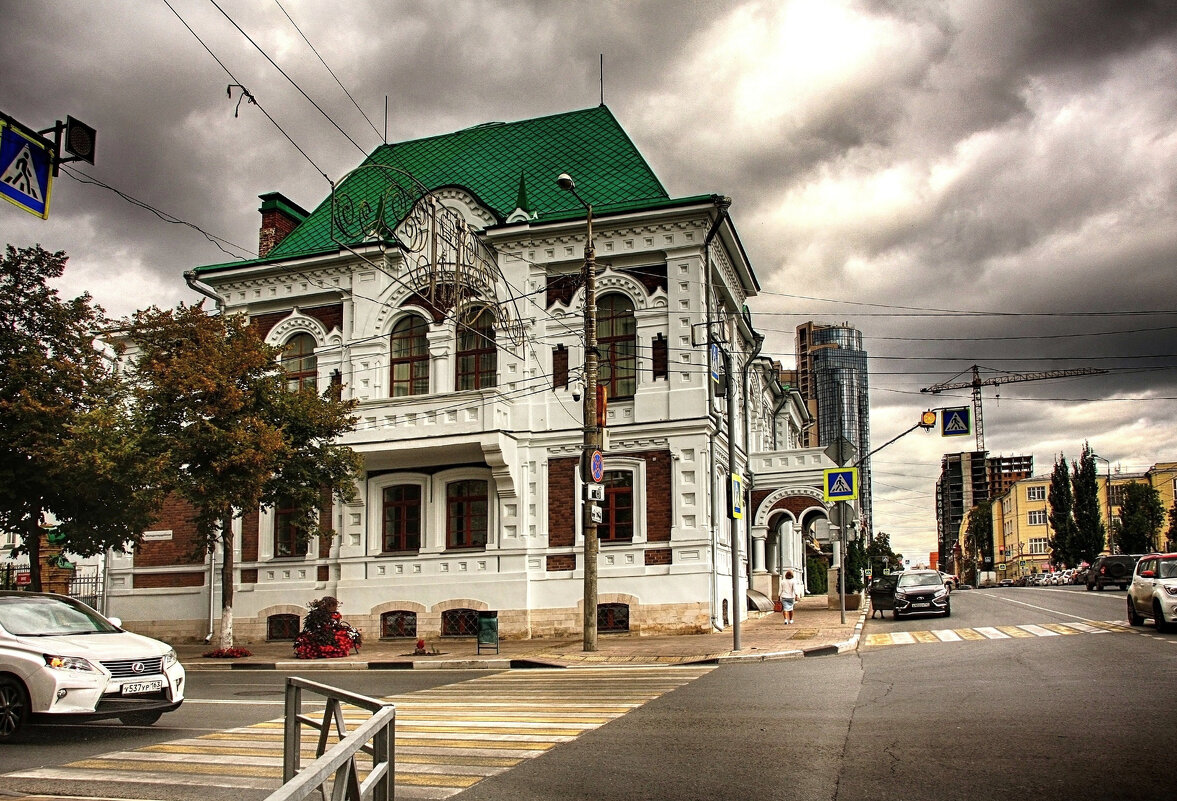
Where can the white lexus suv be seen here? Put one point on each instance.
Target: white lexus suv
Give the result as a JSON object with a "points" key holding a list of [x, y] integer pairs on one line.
{"points": [[1153, 592], [61, 660]]}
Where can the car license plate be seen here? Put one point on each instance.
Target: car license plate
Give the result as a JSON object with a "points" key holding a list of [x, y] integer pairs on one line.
{"points": [[136, 687], [918, 606]]}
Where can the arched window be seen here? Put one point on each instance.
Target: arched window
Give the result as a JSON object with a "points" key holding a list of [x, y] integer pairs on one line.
{"points": [[612, 617], [398, 623], [299, 363], [617, 340], [410, 357], [282, 627], [459, 623], [477, 352]]}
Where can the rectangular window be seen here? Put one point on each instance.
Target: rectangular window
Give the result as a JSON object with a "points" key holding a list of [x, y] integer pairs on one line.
{"points": [[618, 508], [1036, 493], [401, 530], [660, 357], [560, 367], [466, 507], [286, 533], [1039, 545], [1037, 517], [1117, 498]]}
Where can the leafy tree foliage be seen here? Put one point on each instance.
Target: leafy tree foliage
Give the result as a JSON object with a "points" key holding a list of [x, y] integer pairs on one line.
{"points": [[979, 530], [1171, 534], [856, 564], [213, 398], [1141, 517], [1089, 528], [880, 555], [69, 454], [1064, 533]]}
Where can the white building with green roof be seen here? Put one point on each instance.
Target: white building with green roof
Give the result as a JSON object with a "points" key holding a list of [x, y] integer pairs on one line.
{"points": [[440, 285]]}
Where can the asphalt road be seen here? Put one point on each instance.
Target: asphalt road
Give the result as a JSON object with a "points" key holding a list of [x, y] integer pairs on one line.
{"points": [[1083, 714]]}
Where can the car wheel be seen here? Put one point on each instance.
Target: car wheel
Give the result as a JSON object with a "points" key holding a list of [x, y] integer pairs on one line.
{"points": [[14, 707], [1134, 619], [1163, 625], [140, 718], [947, 610]]}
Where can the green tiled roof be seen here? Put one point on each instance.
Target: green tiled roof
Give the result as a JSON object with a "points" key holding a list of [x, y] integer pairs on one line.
{"points": [[501, 162]]}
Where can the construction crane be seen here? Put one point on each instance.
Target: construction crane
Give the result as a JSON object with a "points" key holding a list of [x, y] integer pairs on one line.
{"points": [[1004, 378]]}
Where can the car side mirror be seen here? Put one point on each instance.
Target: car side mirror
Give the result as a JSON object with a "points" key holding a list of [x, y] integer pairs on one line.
{"points": [[1147, 574], [117, 622]]}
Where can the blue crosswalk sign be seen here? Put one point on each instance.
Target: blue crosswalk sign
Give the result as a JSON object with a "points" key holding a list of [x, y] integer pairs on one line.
{"points": [[841, 484], [26, 168], [956, 422]]}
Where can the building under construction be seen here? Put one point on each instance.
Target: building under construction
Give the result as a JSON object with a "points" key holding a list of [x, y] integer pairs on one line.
{"points": [[967, 479]]}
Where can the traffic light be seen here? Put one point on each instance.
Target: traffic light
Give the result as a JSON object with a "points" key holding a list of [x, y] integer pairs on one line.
{"points": [[928, 420]]}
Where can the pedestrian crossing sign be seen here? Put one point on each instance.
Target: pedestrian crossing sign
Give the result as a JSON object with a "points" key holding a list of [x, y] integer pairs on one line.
{"points": [[26, 168], [956, 422], [841, 484]]}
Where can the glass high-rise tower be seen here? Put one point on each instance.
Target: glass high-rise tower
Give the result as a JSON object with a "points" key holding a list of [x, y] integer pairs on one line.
{"points": [[832, 377]]}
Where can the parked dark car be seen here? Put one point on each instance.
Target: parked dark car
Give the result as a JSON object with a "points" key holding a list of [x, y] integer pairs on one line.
{"points": [[1116, 569], [921, 591]]}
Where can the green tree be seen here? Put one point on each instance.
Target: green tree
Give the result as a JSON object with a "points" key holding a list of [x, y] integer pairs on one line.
{"points": [[856, 564], [1171, 534], [880, 555], [979, 529], [1064, 534], [1141, 516], [69, 455], [213, 399], [1090, 533]]}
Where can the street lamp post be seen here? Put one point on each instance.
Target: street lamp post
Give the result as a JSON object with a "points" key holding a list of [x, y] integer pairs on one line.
{"points": [[592, 432]]}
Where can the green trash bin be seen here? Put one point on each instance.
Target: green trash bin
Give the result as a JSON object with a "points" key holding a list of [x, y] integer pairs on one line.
{"points": [[488, 631]]}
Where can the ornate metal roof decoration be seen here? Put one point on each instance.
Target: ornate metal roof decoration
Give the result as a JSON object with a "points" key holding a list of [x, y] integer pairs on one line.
{"points": [[447, 261]]}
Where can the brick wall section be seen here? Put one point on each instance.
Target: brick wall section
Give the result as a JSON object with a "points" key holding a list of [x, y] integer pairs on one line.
{"points": [[562, 502], [160, 580], [657, 494], [331, 316], [558, 562], [658, 556], [183, 548]]}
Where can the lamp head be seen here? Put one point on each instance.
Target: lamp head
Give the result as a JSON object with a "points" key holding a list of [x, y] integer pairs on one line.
{"points": [[565, 182]]}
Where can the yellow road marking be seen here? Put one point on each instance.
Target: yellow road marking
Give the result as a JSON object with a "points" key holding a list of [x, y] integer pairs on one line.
{"points": [[969, 634]]}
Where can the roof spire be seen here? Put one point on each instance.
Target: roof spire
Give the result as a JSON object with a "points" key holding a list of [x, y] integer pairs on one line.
{"points": [[523, 210]]}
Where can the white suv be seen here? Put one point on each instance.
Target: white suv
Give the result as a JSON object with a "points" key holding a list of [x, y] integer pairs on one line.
{"points": [[62, 661], [1153, 592]]}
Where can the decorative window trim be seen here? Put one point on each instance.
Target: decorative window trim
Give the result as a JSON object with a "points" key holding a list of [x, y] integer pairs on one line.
{"points": [[267, 519], [375, 516], [638, 468]]}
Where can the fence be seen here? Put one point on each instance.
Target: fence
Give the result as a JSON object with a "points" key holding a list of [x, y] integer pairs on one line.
{"points": [[337, 765], [85, 584]]}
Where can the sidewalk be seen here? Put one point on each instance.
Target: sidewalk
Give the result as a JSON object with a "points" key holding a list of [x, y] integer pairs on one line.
{"points": [[817, 631]]}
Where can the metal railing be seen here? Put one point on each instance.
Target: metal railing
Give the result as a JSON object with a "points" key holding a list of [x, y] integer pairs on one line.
{"points": [[337, 765]]}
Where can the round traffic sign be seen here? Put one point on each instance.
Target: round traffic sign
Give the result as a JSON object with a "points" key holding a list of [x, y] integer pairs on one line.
{"points": [[597, 466]]}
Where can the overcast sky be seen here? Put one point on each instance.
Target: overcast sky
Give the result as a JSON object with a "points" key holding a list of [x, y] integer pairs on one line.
{"points": [[987, 182]]}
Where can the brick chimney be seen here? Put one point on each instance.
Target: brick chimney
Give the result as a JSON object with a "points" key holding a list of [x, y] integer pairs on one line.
{"points": [[280, 216]]}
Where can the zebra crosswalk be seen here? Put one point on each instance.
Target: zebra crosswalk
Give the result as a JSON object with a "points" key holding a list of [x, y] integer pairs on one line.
{"points": [[447, 738], [996, 632]]}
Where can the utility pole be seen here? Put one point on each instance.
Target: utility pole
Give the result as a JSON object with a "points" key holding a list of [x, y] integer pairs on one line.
{"points": [[590, 458], [733, 524]]}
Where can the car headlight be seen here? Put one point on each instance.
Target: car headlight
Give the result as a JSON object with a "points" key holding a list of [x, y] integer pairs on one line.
{"points": [[940, 593], [68, 663], [900, 594], [1171, 589], [170, 658]]}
